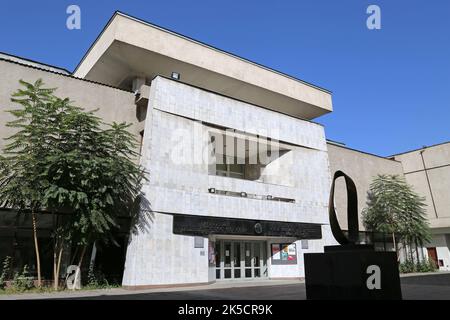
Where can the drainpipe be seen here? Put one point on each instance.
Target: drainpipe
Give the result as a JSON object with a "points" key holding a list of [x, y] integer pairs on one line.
{"points": [[428, 181]]}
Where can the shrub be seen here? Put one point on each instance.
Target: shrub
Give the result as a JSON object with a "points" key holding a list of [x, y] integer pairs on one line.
{"points": [[426, 265], [96, 278], [6, 271], [407, 267], [23, 281]]}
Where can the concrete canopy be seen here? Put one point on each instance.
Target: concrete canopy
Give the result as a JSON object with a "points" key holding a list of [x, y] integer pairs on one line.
{"points": [[129, 48]]}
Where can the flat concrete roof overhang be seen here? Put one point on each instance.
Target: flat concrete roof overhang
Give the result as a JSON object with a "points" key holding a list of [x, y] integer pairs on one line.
{"points": [[129, 47]]}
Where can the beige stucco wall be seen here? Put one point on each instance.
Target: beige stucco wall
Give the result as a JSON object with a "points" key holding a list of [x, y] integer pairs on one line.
{"points": [[361, 167], [113, 104], [437, 162]]}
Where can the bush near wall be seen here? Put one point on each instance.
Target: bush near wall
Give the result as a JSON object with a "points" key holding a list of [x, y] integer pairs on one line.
{"points": [[422, 266]]}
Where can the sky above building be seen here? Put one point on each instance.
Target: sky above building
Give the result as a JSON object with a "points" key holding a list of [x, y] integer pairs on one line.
{"points": [[391, 87]]}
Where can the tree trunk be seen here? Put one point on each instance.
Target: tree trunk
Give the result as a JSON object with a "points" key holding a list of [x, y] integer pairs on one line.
{"points": [[58, 266], [36, 248], [80, 262], [406, 252], [55, 284], [417, 252], [55, 251], [83, 252], [421, 251], [57, 254], [395, 246], [74, 256], [93, 256]]}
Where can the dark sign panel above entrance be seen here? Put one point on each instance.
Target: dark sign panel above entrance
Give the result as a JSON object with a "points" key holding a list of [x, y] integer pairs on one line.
{"points": [[202, 225]]}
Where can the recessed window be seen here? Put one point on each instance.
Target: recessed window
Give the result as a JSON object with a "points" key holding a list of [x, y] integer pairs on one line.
{"points": [[250, 157], [228, 167]]}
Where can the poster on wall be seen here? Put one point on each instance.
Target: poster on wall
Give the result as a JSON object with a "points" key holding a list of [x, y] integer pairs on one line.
{"points": [[275, 251], [283, 253], [211, 253]]}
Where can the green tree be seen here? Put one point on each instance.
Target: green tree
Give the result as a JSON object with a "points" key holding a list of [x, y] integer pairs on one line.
{"points": [[86, 171], [21, 183], [394, 208], [92, 176], [413, 225]]}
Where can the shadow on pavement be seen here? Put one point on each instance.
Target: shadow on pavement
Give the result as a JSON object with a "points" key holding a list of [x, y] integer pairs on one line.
{"points": [[422, 287]]}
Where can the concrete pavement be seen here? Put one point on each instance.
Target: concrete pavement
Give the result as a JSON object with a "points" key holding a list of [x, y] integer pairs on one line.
{"points": [[434, 286], [119, 292]]}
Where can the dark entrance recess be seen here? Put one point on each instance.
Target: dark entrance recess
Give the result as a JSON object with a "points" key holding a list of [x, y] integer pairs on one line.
{"points": [[110, 260], [203, 226], [16, 241]]}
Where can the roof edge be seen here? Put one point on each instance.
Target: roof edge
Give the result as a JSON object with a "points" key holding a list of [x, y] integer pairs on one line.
{"points": [[95, 41], [32, 61], [423, 148], [120, 13], [62, 74], [341, 145]]}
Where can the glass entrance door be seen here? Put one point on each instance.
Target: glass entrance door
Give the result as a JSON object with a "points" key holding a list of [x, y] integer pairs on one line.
{"points": [[240, 259]]}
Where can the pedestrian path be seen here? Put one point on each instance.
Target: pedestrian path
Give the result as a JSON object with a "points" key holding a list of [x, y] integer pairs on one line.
{"points": [[121, 291]]}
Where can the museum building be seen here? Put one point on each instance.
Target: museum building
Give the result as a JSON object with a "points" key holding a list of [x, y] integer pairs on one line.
{"points": [[238, 171], [215, 214]]}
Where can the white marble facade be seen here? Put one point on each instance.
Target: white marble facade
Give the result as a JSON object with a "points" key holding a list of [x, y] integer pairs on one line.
{"points": [[173, 153]]}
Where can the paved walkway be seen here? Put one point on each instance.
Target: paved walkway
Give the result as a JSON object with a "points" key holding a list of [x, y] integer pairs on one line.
{"points": [[417, 286], [123, 292]]}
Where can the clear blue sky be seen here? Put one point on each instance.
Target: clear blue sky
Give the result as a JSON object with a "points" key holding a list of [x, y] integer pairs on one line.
{"points": [[391, 87]]}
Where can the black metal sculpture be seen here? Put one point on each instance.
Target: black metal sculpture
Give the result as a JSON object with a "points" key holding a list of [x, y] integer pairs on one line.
{"points": [[350, 270], [352, 212]]}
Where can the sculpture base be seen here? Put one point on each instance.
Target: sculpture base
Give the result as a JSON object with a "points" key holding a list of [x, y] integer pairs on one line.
{"points": [[352, 273]]}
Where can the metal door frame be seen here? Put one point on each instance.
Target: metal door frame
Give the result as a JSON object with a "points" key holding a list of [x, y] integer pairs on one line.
{"points": [[263, 259]]}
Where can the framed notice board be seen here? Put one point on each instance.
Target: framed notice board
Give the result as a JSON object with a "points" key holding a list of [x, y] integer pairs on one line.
{"points": [[283, 253]]}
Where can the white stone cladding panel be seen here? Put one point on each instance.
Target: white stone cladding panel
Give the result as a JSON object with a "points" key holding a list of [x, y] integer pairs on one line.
{"points": [[173, 170], [194, 103], [180, 186], [154, 249], [205, 204]]}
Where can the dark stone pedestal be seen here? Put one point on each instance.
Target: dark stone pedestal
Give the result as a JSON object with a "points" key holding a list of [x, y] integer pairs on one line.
{"points": [[352, 273]]}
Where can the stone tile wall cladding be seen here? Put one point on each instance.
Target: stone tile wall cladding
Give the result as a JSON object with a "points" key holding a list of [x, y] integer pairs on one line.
{"points": [[177, 185]]}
